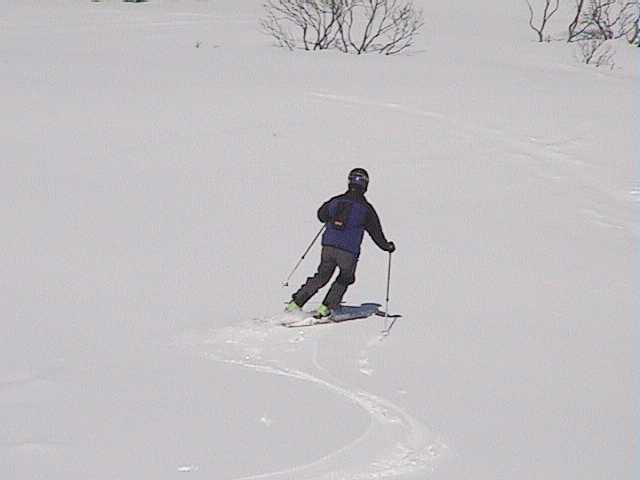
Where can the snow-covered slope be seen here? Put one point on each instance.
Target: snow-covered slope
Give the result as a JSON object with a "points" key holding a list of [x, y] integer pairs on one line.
{"points": [[161, 167]]}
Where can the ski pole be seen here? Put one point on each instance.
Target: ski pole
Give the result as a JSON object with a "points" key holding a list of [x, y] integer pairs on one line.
{"points": [[386, 307], [286, 282]]}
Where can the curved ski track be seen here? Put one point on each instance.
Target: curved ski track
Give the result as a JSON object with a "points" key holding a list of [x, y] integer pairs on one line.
{"points": [[395, 444]]}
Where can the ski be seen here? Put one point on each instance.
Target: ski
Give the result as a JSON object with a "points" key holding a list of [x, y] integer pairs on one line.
{"points": [[343, 313]]}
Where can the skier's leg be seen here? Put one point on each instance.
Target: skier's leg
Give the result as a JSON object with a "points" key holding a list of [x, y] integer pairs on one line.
{"points": [[325, 271], [347, 263]]}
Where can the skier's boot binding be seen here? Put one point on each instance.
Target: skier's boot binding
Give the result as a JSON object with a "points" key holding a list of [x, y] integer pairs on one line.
{"points": [[323, 312], [292, 307]]}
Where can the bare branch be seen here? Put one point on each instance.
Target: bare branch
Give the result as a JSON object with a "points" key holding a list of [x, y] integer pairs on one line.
{"points": [[573, 26], [548, 12]]}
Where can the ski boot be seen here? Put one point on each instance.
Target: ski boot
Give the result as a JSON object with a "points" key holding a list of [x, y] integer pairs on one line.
{"points": [[322, 312], [292, 307]]}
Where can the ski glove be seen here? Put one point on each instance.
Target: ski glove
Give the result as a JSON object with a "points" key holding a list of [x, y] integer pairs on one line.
{"points": [[390, 247]]}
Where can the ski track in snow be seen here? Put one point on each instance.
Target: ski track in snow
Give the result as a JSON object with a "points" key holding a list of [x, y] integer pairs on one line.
{"points": [[395, 444], [20, 378], [552, 159]]}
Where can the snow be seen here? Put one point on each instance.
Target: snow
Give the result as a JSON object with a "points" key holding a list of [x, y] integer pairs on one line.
{"points": [[162, 164]]}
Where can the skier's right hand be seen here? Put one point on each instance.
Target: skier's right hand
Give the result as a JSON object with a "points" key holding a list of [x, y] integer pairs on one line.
{"points": [[390, 247]]}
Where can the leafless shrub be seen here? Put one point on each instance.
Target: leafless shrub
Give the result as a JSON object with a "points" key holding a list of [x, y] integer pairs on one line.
{"points": [[604, 19], [315, 20], [550, 8], [596, 51], [352, 26], [383, 26]]}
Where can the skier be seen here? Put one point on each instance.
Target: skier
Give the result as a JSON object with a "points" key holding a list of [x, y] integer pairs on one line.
{"points": [[346, 216]]}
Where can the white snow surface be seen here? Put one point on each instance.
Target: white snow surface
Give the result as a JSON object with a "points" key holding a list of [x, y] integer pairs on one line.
{"points": [[161, 166]]}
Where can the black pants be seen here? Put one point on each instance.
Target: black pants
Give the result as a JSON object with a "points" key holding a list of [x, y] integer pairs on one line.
{"points": [[330, 259]]}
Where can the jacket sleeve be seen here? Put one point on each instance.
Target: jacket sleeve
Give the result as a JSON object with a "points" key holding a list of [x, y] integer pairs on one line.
{"points": [[324, 215], [374, 229]]}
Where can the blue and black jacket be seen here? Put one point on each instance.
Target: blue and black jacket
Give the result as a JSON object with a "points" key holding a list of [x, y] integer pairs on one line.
{"points": [[347, 217]]}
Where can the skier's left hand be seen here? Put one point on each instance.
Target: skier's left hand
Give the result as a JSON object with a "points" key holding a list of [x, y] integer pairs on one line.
{"points": [[391, 247]]}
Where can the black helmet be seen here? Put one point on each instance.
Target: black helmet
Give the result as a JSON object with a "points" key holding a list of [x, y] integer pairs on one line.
{"points": [[359, 178]]}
